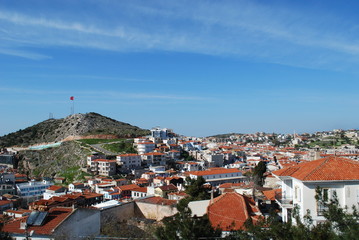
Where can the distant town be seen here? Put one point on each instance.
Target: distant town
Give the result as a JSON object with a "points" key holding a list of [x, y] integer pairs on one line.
{"points": [[147, 187]]}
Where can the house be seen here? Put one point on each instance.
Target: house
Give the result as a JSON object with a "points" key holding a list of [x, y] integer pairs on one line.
{"points": [[334, 175], [17, 213], [54, 190], [111, 194], [231, 210], [56, 223], [139, 192], [126, 190], [67, 200], [177, 195], [77, 187], [163, 191], [59, 180], [104, 186]]}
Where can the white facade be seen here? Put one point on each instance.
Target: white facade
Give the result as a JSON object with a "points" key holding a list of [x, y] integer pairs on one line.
{"points": [[218, 176], [145, 147], [295, 192], [91, 158], [129, 161], [33, 188], [139, 193]]}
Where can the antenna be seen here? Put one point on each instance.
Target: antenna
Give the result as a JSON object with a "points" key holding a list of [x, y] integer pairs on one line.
{"points": [[51, 115]]}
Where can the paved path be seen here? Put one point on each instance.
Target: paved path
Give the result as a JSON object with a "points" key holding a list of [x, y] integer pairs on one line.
{"points": [[98, 147]]}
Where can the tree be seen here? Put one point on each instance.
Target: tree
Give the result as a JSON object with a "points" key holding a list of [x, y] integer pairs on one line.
{"points": [[258, 172], [196, 189], [183, 226]]}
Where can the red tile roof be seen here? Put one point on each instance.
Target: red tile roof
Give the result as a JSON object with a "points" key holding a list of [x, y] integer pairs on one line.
{"points": [[271, 194], [140, 189], [230, 210], [128, 187], [170, 187], [153, 154], [54, 188], [128, 155], [325, 169], [213, 171], [56, 216], [4, 202]]}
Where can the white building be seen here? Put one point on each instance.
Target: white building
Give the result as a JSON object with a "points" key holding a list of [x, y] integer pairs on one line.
{"points": [[90, 160], [153, 158], [158, 134], [139, 192], [332, 174], [33, 188], [129, 161], [217, 176], [145, 147]]}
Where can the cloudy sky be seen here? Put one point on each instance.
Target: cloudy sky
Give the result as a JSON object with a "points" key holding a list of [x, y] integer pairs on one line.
{"points": [[198, 67]]}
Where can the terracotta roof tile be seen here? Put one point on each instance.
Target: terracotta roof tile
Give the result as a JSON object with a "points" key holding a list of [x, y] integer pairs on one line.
{"points": [[56, 216], [230, 210], [325, 169], [213, 171]]}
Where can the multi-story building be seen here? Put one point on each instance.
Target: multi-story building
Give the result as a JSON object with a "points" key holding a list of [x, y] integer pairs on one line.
{"points": [[106, 167], [153, 158], [145, 147], [7, 183], [33, 189], [90, 161], [334, 175], [129, 161], [159, 134], [217, 176]]}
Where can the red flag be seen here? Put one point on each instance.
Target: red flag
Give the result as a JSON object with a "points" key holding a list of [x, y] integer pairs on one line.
{"points": [[72, 98]]}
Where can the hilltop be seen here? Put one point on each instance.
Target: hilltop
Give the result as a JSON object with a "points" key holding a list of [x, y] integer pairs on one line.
{"points": [[72, 127]]}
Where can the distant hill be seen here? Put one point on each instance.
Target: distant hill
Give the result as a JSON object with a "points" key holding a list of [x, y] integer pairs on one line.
{"points": [[225, 135], [76, 125]]}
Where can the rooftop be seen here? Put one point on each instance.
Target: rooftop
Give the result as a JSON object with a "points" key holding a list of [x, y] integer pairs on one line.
{"points": [[325, 169]]}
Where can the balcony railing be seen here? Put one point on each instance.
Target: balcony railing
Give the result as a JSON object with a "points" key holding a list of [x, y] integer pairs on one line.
{"points": [[284, 201]]}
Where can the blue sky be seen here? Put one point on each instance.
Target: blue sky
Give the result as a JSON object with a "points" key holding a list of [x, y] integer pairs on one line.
{"points": [[198, 67]]}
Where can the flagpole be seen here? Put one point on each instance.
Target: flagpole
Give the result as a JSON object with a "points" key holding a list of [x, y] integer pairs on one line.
{"points": [[73, 105]]}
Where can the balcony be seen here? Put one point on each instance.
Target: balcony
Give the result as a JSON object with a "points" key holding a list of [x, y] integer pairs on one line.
{"points": [[286, 202]]}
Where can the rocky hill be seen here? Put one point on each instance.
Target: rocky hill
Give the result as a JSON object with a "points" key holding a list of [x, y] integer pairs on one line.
{"points": [[72, 127]]}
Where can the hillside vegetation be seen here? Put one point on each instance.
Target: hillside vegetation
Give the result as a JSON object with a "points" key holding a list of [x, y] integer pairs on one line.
{"points": [[75, 125], [53, 161]]}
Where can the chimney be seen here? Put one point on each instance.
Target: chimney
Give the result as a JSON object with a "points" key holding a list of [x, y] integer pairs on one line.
{"points": [[211, 197], [23, 225]]}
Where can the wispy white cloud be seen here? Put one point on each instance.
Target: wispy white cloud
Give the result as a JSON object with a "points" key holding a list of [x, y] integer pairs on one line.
{"points": [[237, 28], [24, 54]]}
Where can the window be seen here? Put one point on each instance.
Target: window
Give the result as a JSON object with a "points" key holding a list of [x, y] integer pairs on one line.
{"points": [[297, 193], [328, 194]]}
